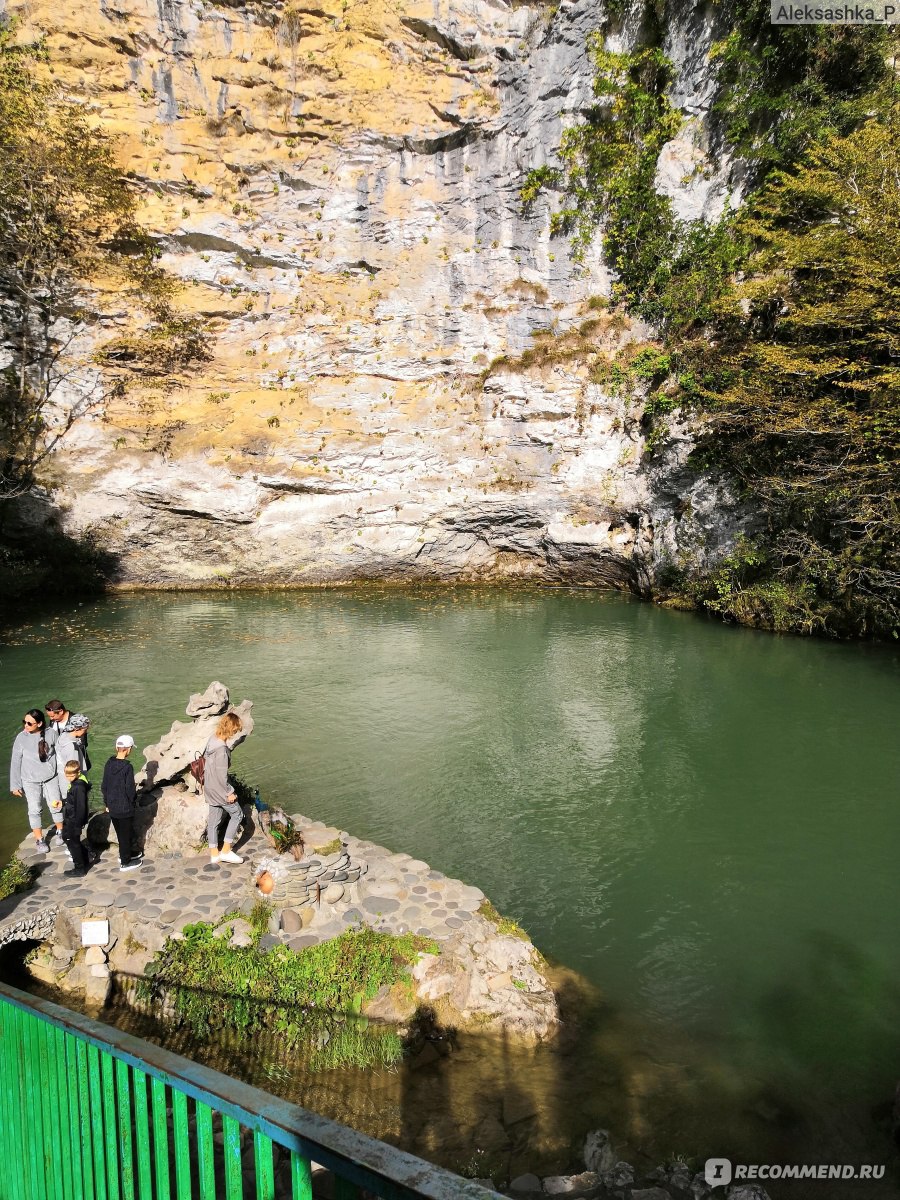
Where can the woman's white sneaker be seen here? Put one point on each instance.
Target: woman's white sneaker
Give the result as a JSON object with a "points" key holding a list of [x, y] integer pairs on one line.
{"points": [[230, 857]]}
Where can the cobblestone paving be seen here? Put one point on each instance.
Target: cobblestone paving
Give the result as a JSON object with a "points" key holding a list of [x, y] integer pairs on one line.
{"points": [[359, 884]]}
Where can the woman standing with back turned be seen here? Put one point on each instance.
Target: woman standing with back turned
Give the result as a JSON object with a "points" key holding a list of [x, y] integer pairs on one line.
{"points": [[220, 795]]}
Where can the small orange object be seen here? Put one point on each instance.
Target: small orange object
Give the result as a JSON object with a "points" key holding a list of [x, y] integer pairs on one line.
{"points": [[265, 882]]}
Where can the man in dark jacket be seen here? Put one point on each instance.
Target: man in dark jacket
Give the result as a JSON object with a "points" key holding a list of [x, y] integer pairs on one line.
{"points": [[75, 816], [120, 798]]}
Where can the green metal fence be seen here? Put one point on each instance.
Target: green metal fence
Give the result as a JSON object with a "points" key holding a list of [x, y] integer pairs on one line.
{"points": [[90, 1113]]}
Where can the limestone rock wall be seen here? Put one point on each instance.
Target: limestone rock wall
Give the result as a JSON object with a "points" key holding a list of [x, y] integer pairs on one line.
{"points": [[336, 183]]}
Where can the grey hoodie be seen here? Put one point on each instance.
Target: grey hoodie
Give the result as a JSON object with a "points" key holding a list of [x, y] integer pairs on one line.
{"points": [[68, 747], [26, 765], [216, 787]]}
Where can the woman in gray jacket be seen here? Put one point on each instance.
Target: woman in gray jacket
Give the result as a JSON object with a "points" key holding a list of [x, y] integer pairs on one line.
{"points": [[218, 791], [32, 772]]}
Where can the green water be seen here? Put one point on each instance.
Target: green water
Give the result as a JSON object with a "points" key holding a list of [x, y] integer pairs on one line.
{"points": [[703, 821]]}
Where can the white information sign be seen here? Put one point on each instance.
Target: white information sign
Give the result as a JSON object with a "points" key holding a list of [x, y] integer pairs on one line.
{"points": [[94, 933]]}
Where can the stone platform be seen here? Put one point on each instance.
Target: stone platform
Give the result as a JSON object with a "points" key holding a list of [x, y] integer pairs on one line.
{"points": [[480, 975]]}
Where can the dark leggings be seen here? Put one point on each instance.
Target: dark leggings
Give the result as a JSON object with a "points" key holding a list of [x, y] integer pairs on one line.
{"points": [[123, 827], [78, 852]]}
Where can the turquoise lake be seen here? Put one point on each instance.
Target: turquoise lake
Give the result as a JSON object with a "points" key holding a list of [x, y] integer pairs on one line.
{"points": [[702, 821]]}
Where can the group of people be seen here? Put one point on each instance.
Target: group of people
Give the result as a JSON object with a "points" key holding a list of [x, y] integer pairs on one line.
{"points": [[49, 764]]}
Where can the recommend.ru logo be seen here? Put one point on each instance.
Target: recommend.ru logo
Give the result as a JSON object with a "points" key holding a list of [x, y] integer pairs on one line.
{"points": [[719, 1172]]}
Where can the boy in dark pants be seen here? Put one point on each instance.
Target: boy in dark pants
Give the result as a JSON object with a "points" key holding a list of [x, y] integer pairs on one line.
{"points": [[75, 816], [120, 798]]}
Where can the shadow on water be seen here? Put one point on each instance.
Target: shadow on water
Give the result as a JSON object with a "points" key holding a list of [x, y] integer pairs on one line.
{"points": [[839, 1009], [663, 804], [485, 1105], [40, 563]]}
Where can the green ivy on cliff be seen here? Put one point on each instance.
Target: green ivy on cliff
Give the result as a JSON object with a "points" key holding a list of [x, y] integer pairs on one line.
{"points": [[608, 165], [780, 319], [802, 397], [785, 88]]}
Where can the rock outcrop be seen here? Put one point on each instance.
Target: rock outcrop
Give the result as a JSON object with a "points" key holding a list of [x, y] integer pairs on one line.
{"points": [[480, 976], [338, 188], [610, 1178], [170, 758], [172, 813]]}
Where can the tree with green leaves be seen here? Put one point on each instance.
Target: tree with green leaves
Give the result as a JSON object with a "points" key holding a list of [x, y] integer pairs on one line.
{"points": [[67, 216], [63, 202], [779, 320], [799, 382]]}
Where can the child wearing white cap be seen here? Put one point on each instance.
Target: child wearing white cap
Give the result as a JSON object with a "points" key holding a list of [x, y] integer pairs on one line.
{"points": [[120, 797]]}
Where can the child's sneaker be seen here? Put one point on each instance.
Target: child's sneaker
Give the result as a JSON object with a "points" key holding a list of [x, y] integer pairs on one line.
{"points": [[41, 847], [230, 857]]}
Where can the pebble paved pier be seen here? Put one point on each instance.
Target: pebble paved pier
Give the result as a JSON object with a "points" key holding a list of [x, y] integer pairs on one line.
{"points": [[314, 899]]}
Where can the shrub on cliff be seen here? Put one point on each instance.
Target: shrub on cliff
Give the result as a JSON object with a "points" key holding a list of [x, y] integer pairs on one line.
{"points": [[780, 320], [67, 215], [802, 395]]}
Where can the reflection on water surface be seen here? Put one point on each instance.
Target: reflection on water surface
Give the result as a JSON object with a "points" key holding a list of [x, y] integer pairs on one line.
{"points": [[701, 821]]}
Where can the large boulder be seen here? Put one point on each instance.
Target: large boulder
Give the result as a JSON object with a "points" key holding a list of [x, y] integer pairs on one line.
{"points": [[172, 820], [485, 979], [211, 703]]}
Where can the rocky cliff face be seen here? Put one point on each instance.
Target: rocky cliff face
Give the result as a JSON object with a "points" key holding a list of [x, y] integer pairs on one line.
{"points": [[336, 183]]}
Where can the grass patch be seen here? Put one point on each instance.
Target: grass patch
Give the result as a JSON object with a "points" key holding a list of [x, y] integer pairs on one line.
{"points": [[257, 918], [505, 925], [16, 877], [313, 997], [331, 847], [583, 346]]}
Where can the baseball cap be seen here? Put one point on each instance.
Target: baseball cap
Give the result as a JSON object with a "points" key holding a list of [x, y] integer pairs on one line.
{"points": [[125, 742]]}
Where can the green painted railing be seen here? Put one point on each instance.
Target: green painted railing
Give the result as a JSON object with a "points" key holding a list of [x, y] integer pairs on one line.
{"points": [[90, 1113]]}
